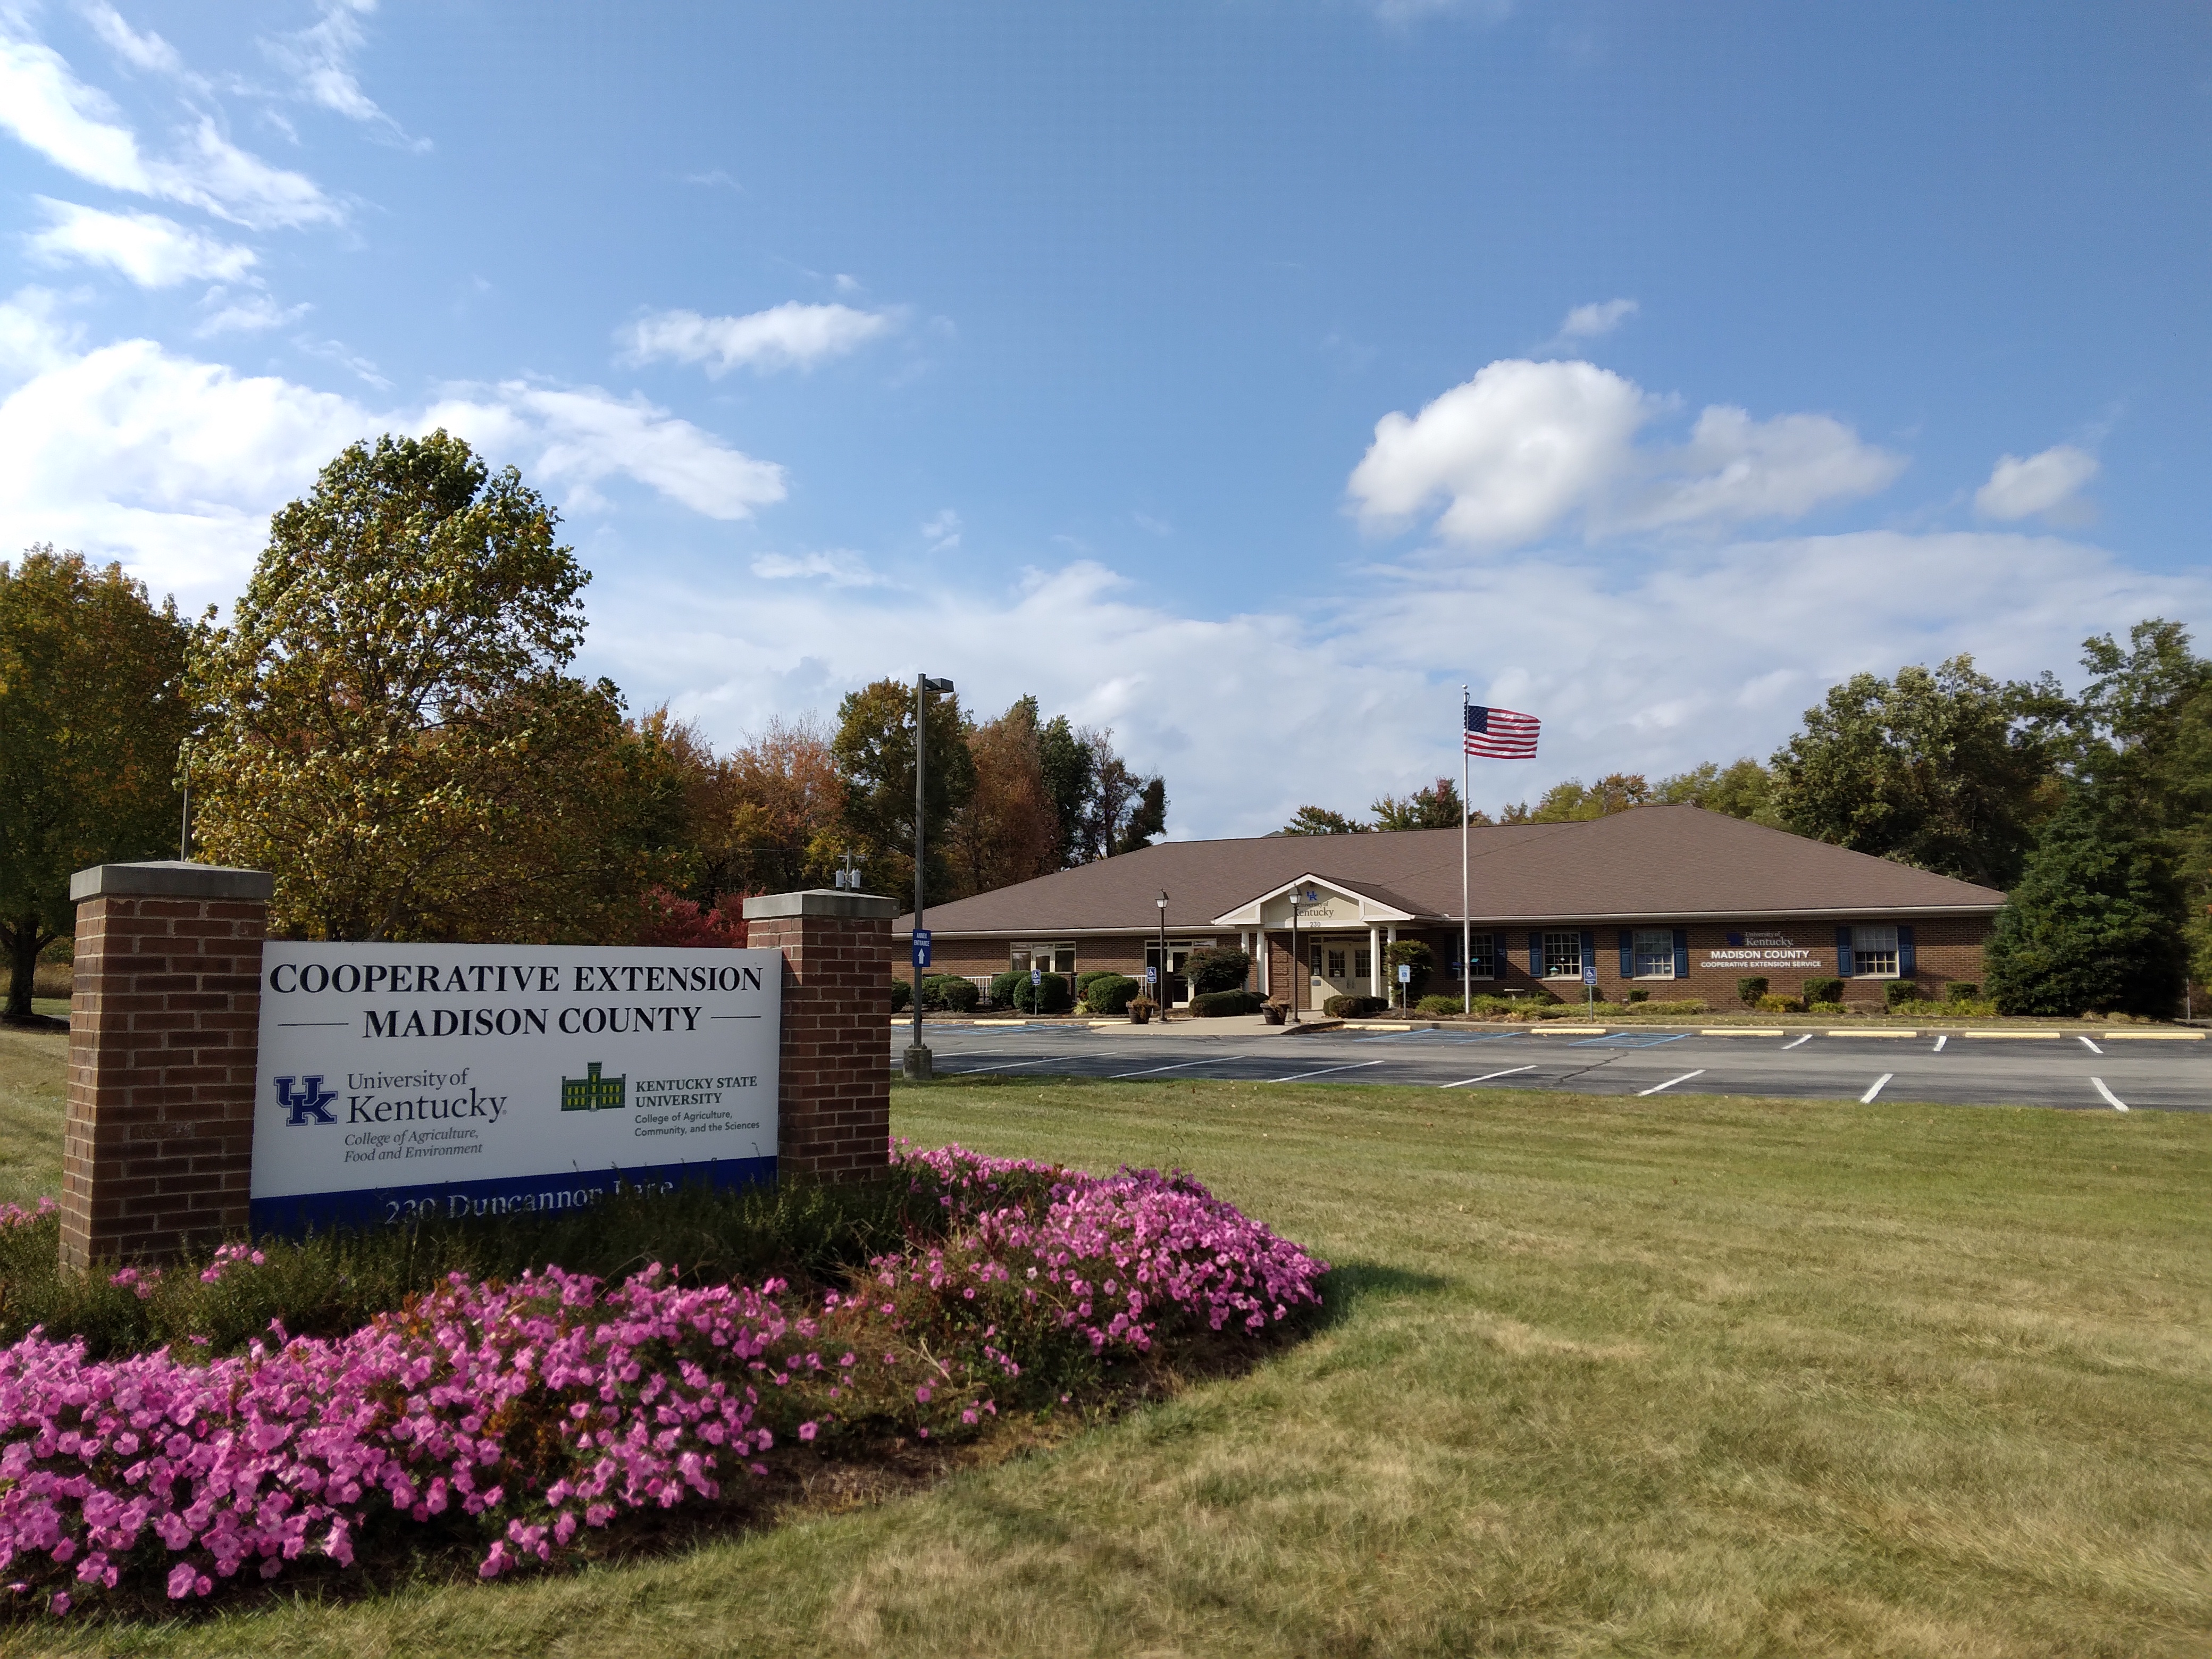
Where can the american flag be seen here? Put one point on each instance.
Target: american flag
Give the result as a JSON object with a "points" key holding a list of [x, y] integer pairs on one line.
{"points": [[1500, 734]]}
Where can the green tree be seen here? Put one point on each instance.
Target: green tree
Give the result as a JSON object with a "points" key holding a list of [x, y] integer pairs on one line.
{"points": [[2093, 923], [1064, 760], [1415, 955], [92, 713], [874, 751], [1148, 817], [1744, 789], [1319, 821], [389, 731], [1437, 807], [1948, 770], [1573, 802]]}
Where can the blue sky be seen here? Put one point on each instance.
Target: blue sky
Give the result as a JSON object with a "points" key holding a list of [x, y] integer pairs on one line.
{"points": [[1242, 376]]}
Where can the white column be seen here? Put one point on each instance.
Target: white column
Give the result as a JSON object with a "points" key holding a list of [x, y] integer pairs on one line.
{"points": [[1374, 959], [1264, 955]]}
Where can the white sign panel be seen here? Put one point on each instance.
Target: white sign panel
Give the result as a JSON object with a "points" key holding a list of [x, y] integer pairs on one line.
{"points": [[1749, 950], [491, 1079]]}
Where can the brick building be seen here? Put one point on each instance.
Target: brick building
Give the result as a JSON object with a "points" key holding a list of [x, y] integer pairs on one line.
{"points": [[1671, 900]]}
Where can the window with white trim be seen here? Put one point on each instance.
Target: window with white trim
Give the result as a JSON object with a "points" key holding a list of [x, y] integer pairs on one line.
{"points": [[1563, 955], [1873, 952], [1482, 956], [1655, 952]]}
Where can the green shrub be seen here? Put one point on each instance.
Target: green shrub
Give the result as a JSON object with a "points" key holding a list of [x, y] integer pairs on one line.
{"points": [[1051, 994], [1900, 994], [1002, 987], [1824, 990], [1962, 990], [1439, 1004], [950, 992], [1214, 1005], [1414, 954], [1750, 989], [1639, 996], [901, 996], [1216, 967], [1111, 993], [1771, 1004], [1826, 1008], [1090, 976], [1352, 1008]]}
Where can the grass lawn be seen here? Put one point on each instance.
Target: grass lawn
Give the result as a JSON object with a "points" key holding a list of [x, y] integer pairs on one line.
{"points": [[1685, 1376]]}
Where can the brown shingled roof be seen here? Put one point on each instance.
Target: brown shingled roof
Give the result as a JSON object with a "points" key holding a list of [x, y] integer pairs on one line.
{"points": [[1660, 862]]}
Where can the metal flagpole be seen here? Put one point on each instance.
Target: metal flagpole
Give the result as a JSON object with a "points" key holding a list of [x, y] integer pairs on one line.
{"points": [[1466, 923]]}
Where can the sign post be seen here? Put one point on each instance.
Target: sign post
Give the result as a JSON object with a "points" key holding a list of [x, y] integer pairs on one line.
{"points": [[399, 1080], [1589, 984], [1404, 979]]}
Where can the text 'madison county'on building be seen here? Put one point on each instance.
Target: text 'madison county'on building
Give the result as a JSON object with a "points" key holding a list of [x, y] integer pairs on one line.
{"points": [[1673, 899]]}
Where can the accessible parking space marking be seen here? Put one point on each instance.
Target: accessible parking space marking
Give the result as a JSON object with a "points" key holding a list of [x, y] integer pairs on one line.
{"points": [[1300, 1077], [2111, 1099], [1867, 1099], [1485, 1077], [1009, 1066], [1656, 1087], [1629, 1040]]}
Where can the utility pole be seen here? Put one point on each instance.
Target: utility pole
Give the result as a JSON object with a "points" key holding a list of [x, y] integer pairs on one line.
{"points": [[918, 1057]]}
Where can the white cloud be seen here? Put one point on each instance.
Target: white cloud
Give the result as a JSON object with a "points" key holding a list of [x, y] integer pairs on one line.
{"points": [[1602, 317], [788, 336], [77, 127], [1683, 660], [321, 60], [584, 436], [1516, 452], [151, 251], [173, 464], [244, 313], [942, 532], [148, 52], [838, 567], [2049, 479]]}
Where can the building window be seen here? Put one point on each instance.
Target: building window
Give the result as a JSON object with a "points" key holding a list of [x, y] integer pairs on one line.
{"points": [[1655, 954], [1563, 955], [1336, 964], [1046, 956], [1873, 952], [1363, 965], [1482, 956]]}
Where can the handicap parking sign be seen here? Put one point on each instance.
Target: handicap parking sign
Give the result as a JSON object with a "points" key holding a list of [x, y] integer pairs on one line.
{"points": [[1590, 974], [1037, 975], [1405, 973]]}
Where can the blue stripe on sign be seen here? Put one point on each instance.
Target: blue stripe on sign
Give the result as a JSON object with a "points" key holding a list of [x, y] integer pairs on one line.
{"points": [[503, 1195]]}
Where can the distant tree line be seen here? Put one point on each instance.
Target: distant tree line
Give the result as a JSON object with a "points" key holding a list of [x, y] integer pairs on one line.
{"points": [[2094, 811], [388, 724]]}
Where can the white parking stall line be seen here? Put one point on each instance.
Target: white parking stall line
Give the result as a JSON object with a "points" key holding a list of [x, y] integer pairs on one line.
{"points": [[1940, 1040], [1672, 1081], [1181, 1064], [1010, 1065], [2111, 1099], [1867, 1099], [2086, 1043], [1299, 1077], [1485, 1077], [1798, 1042]]}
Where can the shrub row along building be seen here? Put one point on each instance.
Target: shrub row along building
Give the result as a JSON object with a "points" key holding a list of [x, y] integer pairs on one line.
{"points": [[1672, 900]]}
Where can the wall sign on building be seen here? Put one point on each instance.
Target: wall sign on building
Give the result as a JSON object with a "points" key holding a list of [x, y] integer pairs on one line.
{"points": [[485, 1079], [1750, 949]]}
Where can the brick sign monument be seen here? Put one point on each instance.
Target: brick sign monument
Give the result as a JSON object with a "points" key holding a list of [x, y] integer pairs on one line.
{"points": [[754, 1063]]}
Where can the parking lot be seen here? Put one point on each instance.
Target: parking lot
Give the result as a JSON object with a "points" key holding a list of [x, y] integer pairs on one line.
{"points": [[2099, 1072]]}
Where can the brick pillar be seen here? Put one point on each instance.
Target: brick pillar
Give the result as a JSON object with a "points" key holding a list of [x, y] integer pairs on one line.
{"points": [[834, 1113], [158, 1144]]}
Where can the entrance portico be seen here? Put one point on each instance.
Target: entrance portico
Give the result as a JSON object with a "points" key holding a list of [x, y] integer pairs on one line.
{"points": [[1332, 931]]}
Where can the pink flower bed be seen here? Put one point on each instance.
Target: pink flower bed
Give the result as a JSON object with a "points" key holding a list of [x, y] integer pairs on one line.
{"points": [[534, 1412]]}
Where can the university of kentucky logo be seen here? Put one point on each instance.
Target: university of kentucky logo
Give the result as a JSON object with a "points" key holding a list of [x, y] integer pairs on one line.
{"points": [[310, 1104]]}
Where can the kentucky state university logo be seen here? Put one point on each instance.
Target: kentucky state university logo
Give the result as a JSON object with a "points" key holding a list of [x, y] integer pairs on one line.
{"points": [[310, 1104], [592, 1092]]}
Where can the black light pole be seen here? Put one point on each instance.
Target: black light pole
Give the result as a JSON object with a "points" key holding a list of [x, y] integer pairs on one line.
{"points": [[1295, 975], [1162, 903], [918, 1057]]}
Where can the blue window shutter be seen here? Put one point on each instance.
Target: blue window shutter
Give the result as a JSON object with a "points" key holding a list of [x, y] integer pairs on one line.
{"points": [[1681, 953], [1535, 955], [1627, 954], [1589, 949], [1905, 953], [1844, 952]]}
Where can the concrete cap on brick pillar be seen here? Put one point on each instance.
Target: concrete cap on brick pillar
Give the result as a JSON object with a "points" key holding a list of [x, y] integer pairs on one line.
{"points": [[820, 902], [169, 878]]}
